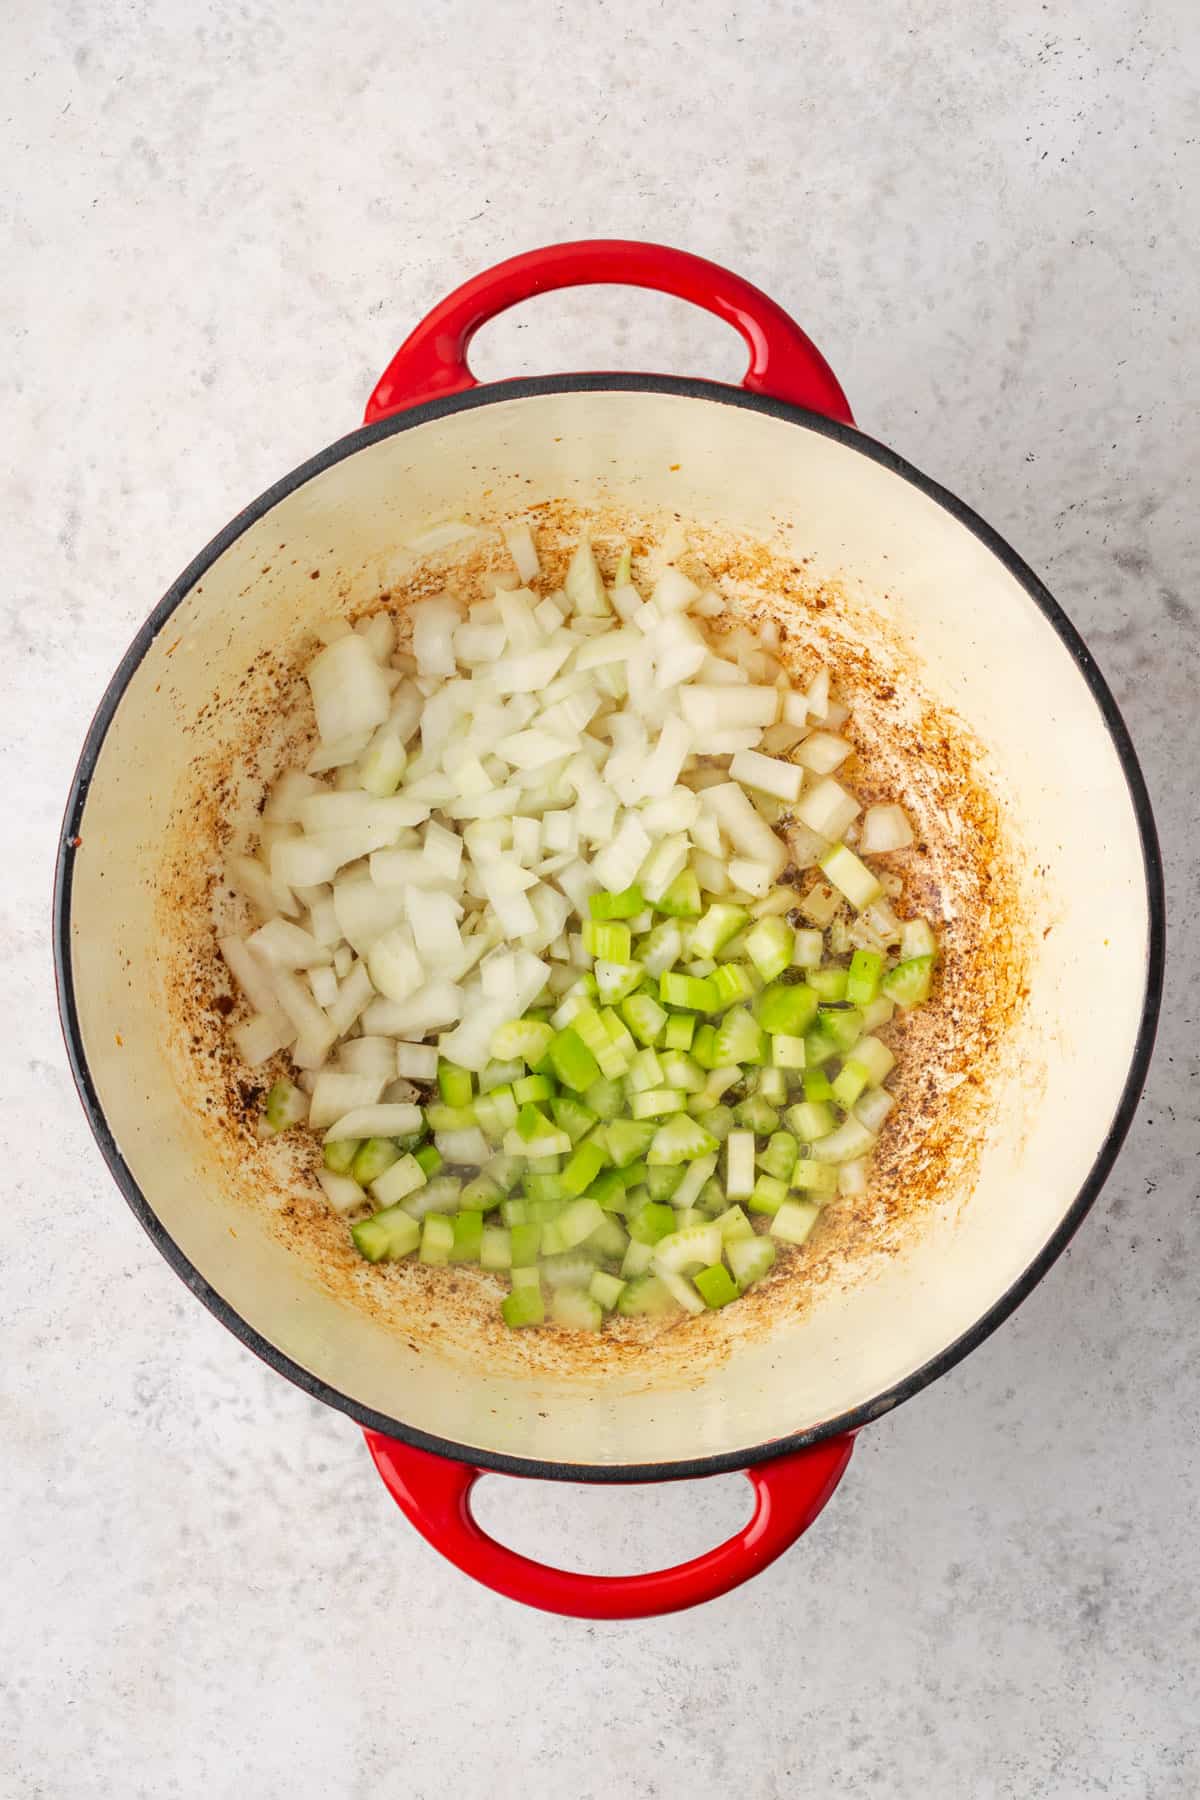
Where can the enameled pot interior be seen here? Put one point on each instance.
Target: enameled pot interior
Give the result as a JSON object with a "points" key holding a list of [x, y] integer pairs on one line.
{"points": [[973, 639]]}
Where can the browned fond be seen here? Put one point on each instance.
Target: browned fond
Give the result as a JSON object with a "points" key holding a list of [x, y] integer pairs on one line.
{"points": [[963, 874]]}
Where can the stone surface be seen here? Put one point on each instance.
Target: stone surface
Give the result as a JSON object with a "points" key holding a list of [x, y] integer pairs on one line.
{"points": [[219, 221]]}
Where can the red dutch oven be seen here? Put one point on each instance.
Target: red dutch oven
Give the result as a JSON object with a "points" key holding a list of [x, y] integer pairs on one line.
{"points": [[933, 598]]}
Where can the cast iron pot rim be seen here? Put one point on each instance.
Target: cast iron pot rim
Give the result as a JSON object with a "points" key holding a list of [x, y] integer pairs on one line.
{"points": [[946, 1359]]}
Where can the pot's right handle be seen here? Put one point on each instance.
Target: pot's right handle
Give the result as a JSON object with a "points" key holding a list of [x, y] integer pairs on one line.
{"points": [[435, 1494], [784, 363]]}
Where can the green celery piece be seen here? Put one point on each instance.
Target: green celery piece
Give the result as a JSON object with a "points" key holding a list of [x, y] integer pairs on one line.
{"points": [[779, 1157], [610, 940], [703, 1045], [680, 1140], [810, 1177], [581, 1169], [524, 1306], [862, 980], [526, 1242], [387, 1235], [795, 1220], [440, 1117], [770, 945], [718, 1121], [532, 1088], [850, 1084], [811, 1119], [576, 1309], [339, 1156], [515, 1212], [645, 1018], [286, 1105], [455, 1085], [663, 1180], [716, 1285], [731, 983], [757, 1115], [500, 1074], [716, 928], [625, 905], [522, 1040], [437, 1238], [572, 1116], [829, 983], [578, 1221], [607, 1289], [645, 1071], [908, 984], [495, 1248], [734, 1224], [739, 1039], [574, 1063], [542, 1187], [682, 898], [604, 1098], [541, 1210], [657, 1103], [843, 1025], [428, 1159], [660, 948], [646, 1295], [769, 1195], [609, 1239], [681, 1072], [749, 1259], [505, 1171], [629, 1139], [468, 1237], [634, 1173], [817, 1085], [693, 992], [615, 981], [681, 1028], [772, 1083], [608, 1190], [481, 1194], [653, 1222], [787, 1007]]}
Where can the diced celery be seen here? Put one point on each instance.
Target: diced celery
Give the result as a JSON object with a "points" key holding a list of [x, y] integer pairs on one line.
{"points": [[679, 1071], [779, 1157], [789, 1008], [794, 1220], [455, 1085], [862, 980], [604, 1098], [733, 1224], [730, 983], [817, 1085], [660, 949], [850, 1141], [849, 1084], [716, 1285], [572, 1116], [756, 1114], [608, 1240], [286, 1105], [468, 1237], [495, 1247], [703, 1045], [739, 1165], [607, 1289], [718, 1121], [770, 945], [437, 1238], [637, 1259], [578, 1221], [574, 1064], [524, 1306], [809, 1177], [496, 1111], [749, 1258], [681, 1028], [680, 1140], [340, 1154], [739, 1038], [615, 981], [399, 1179], [386, 1235], [610, 941], [694, 993], [772, 1084], [645, 1017], [693, 1248], [767, 1195], [657, 1103], [646, 1295], [607, 905], [440, 1117], [608, 1191], [682, 898], [515, 1212], [530, 1089], [787, 1052], [581, 1169], [629, 1139], [829, 983], [909, 982], [522, 1040], [663, 1180], [809, 948], [811, 1119], [645, 1071], [526, 1277], [500, 1074], [505, 1171], [654, 1221], [525, 1242], [576, 1309], [714, 930]]}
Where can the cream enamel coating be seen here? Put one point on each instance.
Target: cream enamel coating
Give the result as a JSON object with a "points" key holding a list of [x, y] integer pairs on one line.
{"points": [[982, 650]]}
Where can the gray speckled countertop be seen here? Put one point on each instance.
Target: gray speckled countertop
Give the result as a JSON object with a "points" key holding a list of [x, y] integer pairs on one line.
{"points": [[220, 219]]}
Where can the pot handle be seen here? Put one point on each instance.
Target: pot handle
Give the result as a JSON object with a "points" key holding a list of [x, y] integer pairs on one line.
{"points": [[784, 363], [434, 1493]]}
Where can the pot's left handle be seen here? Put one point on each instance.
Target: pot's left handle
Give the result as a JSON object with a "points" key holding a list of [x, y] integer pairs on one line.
{"points": [[435, 1494]]}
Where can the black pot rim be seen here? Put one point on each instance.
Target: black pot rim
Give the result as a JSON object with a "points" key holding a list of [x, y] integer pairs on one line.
{"points": [[691, 1466]]}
